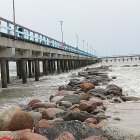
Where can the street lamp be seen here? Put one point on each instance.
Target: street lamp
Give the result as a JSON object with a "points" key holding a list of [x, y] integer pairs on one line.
{"points": [[61, 22], [77, 40], [83, 45], [14, 19]]}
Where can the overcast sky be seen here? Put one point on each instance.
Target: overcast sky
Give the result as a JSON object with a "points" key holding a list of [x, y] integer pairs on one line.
{"points": [[110, 27]]}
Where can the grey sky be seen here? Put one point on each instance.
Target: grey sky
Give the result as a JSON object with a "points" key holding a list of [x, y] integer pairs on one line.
{"points": [[108, 26]]}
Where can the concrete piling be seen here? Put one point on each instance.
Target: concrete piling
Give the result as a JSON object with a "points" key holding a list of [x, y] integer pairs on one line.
{"points": [[7, 70], [23, 70], [36, 70], [3, 73], [30, 68]]}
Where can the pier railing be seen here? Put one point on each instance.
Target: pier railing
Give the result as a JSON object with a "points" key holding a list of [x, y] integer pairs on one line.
{"points": [[18, 31]]}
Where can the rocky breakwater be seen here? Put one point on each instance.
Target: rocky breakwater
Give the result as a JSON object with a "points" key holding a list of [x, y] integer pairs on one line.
{"points": [[75, 112]]}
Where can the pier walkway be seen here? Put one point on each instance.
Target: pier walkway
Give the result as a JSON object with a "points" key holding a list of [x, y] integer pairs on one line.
{"points": [[28, 48]]}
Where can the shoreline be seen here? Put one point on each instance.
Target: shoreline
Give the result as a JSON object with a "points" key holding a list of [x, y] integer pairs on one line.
{"points": [[76, 90]]}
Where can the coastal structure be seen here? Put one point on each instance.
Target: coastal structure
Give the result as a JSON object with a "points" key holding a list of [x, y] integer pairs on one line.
{"points": [[28, 48], [119, 58]]}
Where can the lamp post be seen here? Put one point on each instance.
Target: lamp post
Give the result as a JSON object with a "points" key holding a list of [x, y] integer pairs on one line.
{"points": [[14, 19], [83, 44], [61, 22], [77, 40]]}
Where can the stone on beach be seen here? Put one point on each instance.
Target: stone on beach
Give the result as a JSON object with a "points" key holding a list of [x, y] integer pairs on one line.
{"points": [[62, 93], [32, 136], [21, 120], [83, 96], [50, 112], [8, 134], [77, 128], [98, 101], [34, 101], [86, 86], [36, 116], [91, 120], [95, 138], [103, 123], [6, 115], [74, 99], [67, 104], [43, 105], [87, 106], [130, 98], [65, 136]]}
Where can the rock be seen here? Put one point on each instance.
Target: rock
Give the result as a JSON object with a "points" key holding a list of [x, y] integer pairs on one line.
{"points": [[110, 96], [24, 107], [117, 119], [116, 132], [69, 115], [62, 93], [20, 133], [8, 134], [95, 138], [97, 101], [6, 115], [97, 90], [83, 96], [114, 89], [101, 116], [41, 124], [102, 97], [86, 86], [84, 74], [43, 105], [36, 116], [74, 99], [91, 120], [74, 82], [21, 120], [65, 87], [32, 136], [67, 104], [130, 98], [103, 123], [56, 98], [65, 136], [34, 101], [74, 106], [78, 129], [87, 106], [93, 81], [50, 112], [113, 77], [96, 111], [117, 99]]}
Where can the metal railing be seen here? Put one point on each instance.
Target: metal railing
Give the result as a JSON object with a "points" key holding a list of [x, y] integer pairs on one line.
{"points": [[19, 31]]}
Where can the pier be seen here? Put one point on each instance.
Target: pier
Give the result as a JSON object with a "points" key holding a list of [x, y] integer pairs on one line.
{"points": [[29, 48], [119, 58]]}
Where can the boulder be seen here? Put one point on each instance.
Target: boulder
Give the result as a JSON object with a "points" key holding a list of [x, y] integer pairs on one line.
{"points": [[97, 90], [117, 99], [66, 136], [86, 86], [93, 81], [21, 120], [8, 134], [95, 138], [114, 89], [78, 129], [32, 136], [68, 116], [50, 112], [98, 101], [67, 104], [36, 116], [6, 115], [87, 106], [74, 82], [91, 120], [83, 96], [74, 99], [56, 98], [62, 93], [43, 105], [19, 133], [41, 124], [34, 101], [103, 123], [130, 98], [65, 87]]}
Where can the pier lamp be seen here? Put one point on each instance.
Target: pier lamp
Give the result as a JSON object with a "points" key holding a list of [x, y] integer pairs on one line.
{"points": [[61, 23], [14, 20], [83, 44]]}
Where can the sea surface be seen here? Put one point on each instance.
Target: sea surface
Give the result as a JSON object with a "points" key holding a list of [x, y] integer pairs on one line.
{"points": [[127, 76]]}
